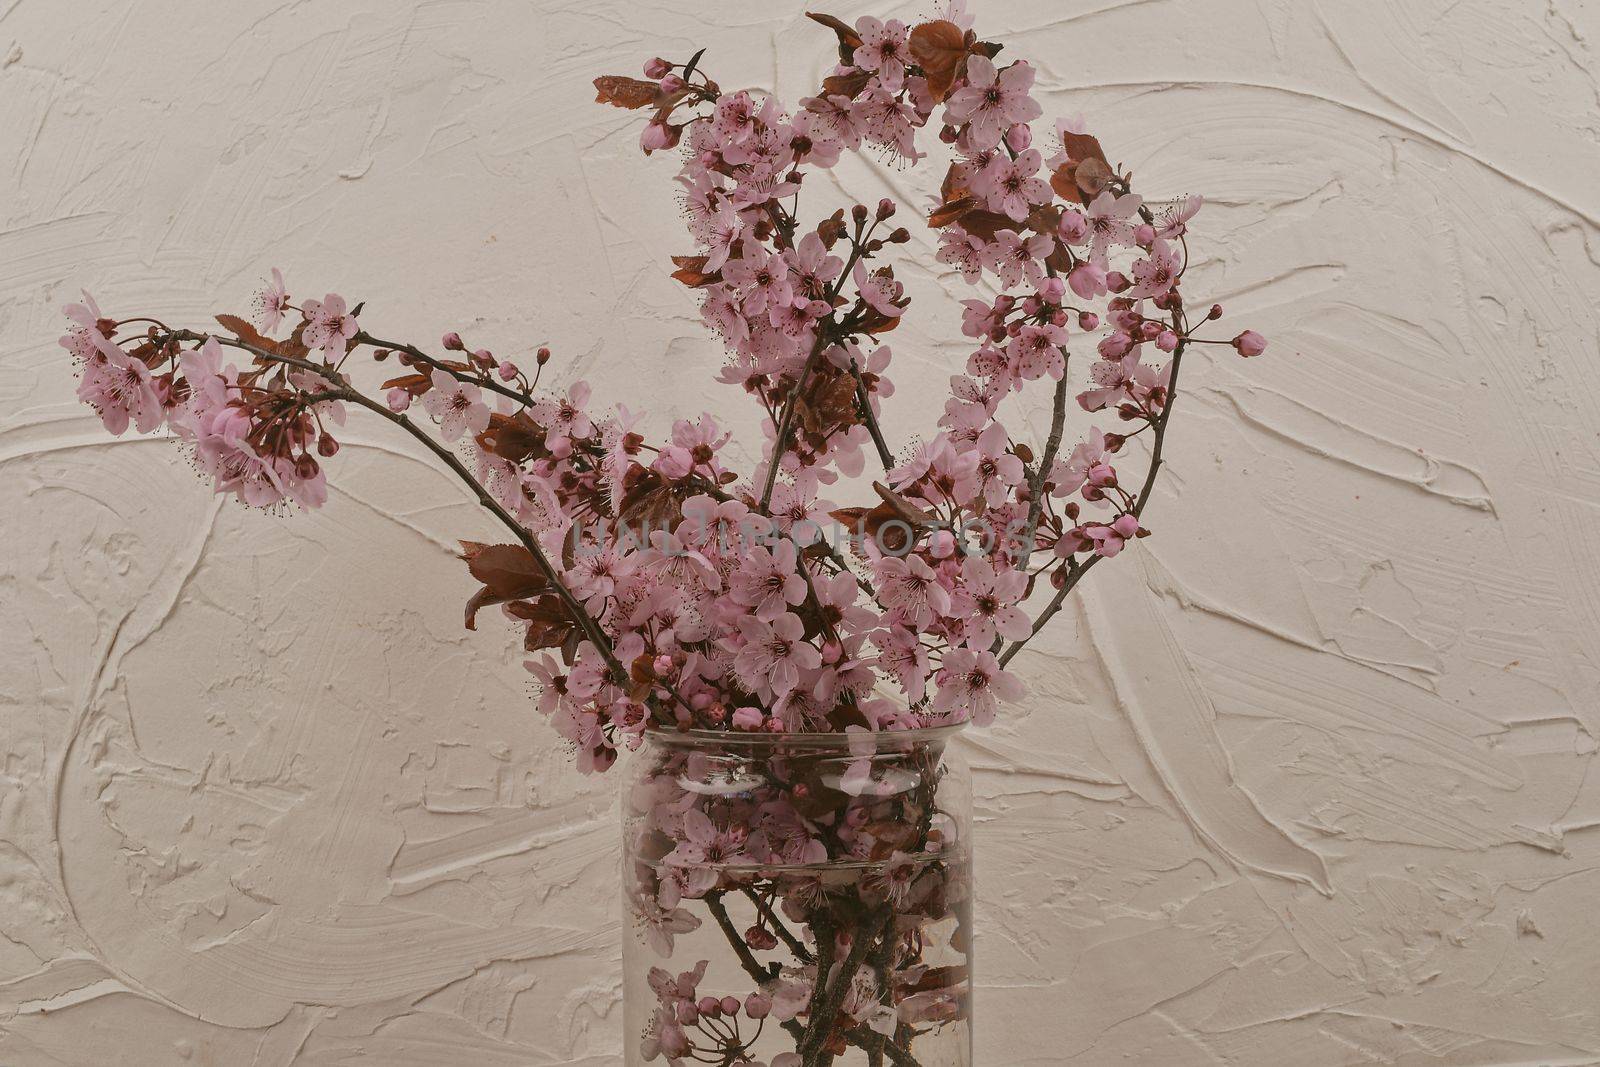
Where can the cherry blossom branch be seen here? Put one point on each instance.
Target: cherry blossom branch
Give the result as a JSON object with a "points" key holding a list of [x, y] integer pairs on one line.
{"points": [[345, 391]]}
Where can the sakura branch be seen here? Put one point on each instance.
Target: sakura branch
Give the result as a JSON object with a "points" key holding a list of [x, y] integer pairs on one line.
{"points": [[657, 587]]}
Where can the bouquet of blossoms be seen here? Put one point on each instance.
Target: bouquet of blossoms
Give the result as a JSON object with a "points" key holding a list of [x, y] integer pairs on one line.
{"points": [[663, 594]]}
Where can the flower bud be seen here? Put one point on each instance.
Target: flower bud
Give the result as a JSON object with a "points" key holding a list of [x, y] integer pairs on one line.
{"points": [[748, 718], [398, 399], [900, 236], [859, 213], [305, 467], [507, 371], [484, 356], [1250, 343], [1215, 312], [671, 83], [885, 208], [542, 356], [657, 68], [658, 135], [710, 1007], [1073, 227], [1166, 340], [730, 1006], [1088, 320], [758, 1006], [1118, 282], [379, 355], [1019, 137], [761, 939], [452, 341], [327, 447], [1144, 234]]}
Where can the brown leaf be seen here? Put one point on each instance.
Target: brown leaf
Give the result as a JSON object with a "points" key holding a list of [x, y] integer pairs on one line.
{"points": [[985, 224], [692, 272], [624, 92], [244, 331], [846, 85], [829, 405], [953, 211], [650, 502], [849, 39], [508, 572], [514, 437], [940, 49], [549, 625], [415, 384], [895, 523]]}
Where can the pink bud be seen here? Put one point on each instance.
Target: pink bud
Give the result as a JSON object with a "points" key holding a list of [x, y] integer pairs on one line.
{"points": [[1019, 137], [657, 68], [1126, 525], [671, 83], [507, 371], [657, 136], [483, 355], [1053, 290], [1088, 320], [1118, 282], [398, 399], [710, 1007], [1144, 234], [886, 208], [327, 447], [758, 1006], [748, 719], [1088, 280], [730, 1006], [452, 341], [1250, 343], [1073, 227], [761, 939], [1167, 341]]}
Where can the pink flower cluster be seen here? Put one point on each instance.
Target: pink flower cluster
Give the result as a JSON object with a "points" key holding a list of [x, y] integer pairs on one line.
{"points": [[657, 584]]}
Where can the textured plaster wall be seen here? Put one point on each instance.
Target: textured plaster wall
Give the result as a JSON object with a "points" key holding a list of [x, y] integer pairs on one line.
{"points": [[1309, 778]]}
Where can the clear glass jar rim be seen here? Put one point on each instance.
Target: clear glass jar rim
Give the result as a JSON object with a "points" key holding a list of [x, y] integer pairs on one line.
{"points": [[833, 740]]}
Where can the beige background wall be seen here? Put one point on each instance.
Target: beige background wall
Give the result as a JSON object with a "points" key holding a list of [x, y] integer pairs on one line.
{"points": [[1310, 778]]}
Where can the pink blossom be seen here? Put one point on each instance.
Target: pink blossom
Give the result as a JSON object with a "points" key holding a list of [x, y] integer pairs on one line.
{"points": [[992, 100], [962, 251], [1012, 257], [1068, 475], [329, 326], [1011, 186], [989, 601], [971, 685], [887, 123], [1036, 352], [458, 406], [1109, 539], [880, 290], [1108, 222], [1156, 274], [769, 583], [735, 117], [772, 654], [564, 416], [883, 50], [911, 591], [119, 387], [271, 301]]}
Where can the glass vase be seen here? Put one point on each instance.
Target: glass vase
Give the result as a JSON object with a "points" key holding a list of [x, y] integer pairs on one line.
{"points": [[798, 900]]}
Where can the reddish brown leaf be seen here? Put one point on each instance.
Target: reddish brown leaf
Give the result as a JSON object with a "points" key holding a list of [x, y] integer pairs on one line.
{"points": [[849, 39], [415, 384], [514, 437], [950, 212], [692, 272], [247, 333], [620, 91], [508, 572], [650, 502], [846, 85], [986, 224], [549, 625], [940, 49]]}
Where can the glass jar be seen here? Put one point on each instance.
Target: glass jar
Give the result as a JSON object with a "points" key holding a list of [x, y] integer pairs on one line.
{"points": [[797, 900]]}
